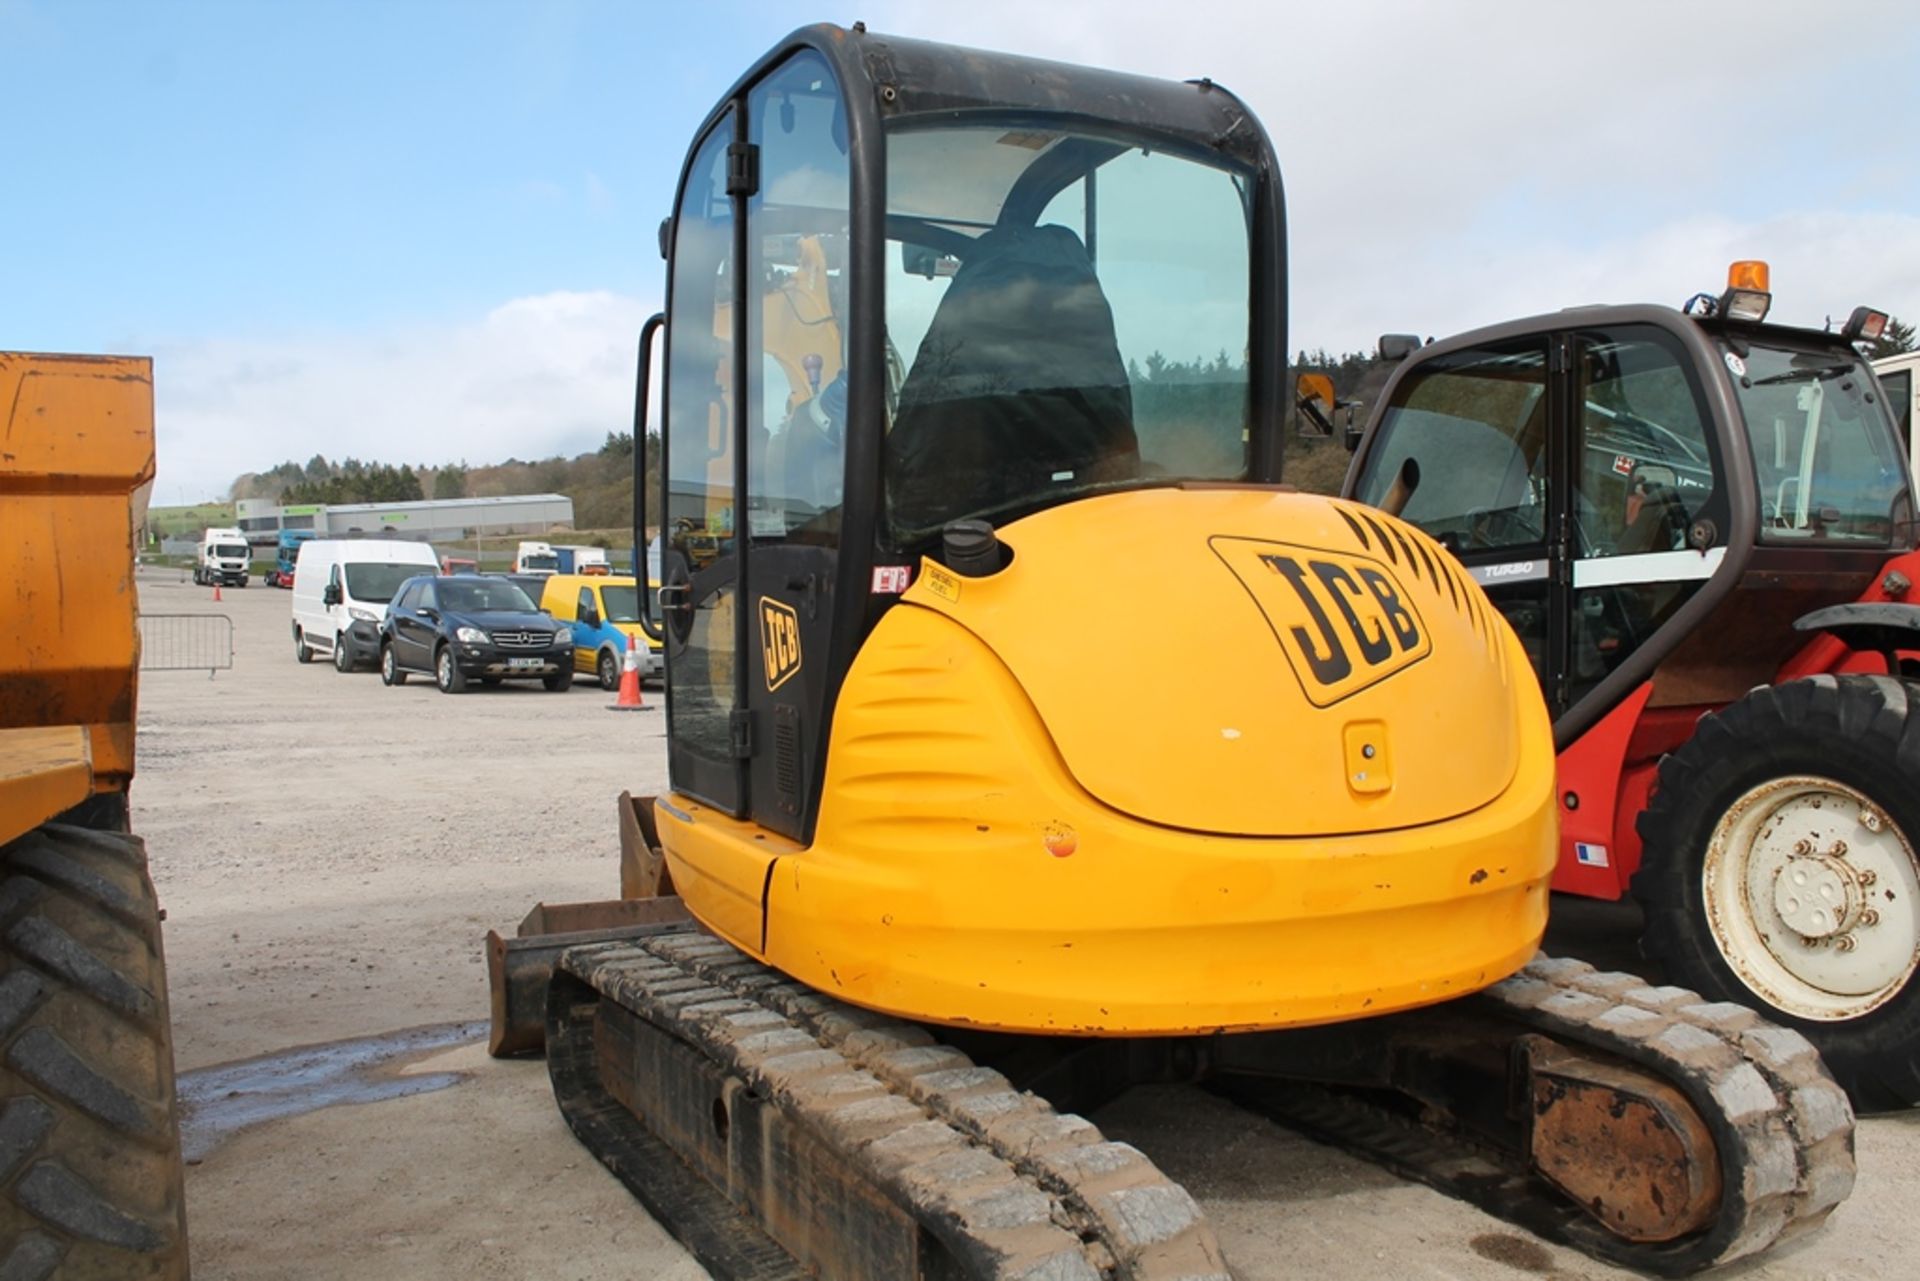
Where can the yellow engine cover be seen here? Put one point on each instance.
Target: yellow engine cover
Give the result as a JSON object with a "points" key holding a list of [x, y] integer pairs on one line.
{"points": [[1217, 661], [1124, 786]]}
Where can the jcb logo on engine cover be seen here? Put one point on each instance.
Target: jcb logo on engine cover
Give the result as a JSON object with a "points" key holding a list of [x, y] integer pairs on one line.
{"points": [[779, 641], [1343, 621]]}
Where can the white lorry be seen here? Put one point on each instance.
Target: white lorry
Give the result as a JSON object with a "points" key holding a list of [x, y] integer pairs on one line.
{"points": [[224, 559], [536, 558]]}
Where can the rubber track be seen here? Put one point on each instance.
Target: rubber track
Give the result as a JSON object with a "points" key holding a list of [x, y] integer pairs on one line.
{"points": [[1783, 1127], [1013, 1188], [90, 1177]]}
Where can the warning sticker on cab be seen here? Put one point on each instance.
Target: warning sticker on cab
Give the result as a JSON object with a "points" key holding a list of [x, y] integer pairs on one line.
{"points": [[1342, 620]]}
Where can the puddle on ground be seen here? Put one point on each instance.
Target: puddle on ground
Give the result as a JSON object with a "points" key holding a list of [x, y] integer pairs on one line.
{"points": [[216, 1102]]}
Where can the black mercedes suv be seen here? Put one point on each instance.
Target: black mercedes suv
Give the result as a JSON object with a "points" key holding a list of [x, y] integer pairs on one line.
{"points": [[466, 627]]}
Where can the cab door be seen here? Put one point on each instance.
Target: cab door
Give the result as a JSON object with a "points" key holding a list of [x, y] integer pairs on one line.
{"points": [[796, 406], [1486, 428], [700, 561], [586, 627]]}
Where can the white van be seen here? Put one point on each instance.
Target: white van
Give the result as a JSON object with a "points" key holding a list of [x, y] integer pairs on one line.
{"points": [[223, 559], [340, 592]]}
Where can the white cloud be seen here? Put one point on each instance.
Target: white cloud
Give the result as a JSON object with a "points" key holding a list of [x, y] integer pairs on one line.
{"points": [[1445, 165], [1823, 264], [1452, 165], [533, 377]]}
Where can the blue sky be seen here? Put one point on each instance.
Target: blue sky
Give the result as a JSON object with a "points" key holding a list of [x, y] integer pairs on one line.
{"points": [[425, 231], [203, 168]]}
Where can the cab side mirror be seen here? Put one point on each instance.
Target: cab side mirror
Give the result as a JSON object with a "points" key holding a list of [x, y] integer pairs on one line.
{"points": [[590, 617], [330, 594], [1397, 347]]}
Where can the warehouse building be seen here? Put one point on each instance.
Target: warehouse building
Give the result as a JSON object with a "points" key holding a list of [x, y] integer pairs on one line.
{"points": [[425, 520]]}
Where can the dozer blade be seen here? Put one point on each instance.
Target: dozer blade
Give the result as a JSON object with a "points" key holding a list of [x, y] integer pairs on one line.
{"points": [[779, 1133], [1641, 1125], [518, 968]]}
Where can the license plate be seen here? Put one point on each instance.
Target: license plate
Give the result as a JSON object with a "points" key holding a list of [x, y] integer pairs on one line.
{"points": [[524, 664]]}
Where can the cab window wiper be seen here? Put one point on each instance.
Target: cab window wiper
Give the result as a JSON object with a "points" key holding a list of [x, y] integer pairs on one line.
{"points": [[1821, 374]]}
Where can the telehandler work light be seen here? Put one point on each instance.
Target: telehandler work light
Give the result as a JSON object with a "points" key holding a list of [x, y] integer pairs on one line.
{"points": [[1865, 325]]}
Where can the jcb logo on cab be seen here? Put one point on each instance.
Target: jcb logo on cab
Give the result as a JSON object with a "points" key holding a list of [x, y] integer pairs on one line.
{"points": [[1343, 621], [779, 641]]}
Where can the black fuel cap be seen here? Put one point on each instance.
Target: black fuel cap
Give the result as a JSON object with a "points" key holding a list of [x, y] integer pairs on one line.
{"points": [[970, 548]]}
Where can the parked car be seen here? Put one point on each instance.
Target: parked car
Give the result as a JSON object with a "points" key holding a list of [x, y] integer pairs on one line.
{"points": [[467, 627], [340, 592], [604, 610], [534, 585]]}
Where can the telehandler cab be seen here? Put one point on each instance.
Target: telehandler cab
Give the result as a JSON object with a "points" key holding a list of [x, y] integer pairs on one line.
{"points": [[1701, 528], [963, 350]]}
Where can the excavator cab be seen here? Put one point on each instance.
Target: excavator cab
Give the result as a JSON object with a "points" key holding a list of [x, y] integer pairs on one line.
{"points": [[912, 285], [1028, 741]]}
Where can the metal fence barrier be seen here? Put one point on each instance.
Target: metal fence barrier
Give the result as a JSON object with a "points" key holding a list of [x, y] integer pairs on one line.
{"points": [[186, 643]]}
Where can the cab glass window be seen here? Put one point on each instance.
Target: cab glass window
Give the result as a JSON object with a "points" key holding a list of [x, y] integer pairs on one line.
{"points": [[796, 318], [1474, 423], [1825, 454], [584, 606], [1899, 389], [1645, 465], [1065, 314], [620, 604]]}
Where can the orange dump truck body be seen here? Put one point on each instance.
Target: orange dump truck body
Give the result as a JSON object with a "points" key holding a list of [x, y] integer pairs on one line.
{"points": [[76, 439]]}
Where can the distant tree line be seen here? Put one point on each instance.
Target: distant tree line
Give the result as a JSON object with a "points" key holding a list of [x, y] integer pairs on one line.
{"points": [[599, 483], [1898, 337]]}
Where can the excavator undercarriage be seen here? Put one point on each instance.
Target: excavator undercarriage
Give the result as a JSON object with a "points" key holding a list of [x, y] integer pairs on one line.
{"points": [[1637, 1124]]}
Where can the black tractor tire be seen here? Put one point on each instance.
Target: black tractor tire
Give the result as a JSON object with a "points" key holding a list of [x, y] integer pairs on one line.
{"points": [[90, 1177], [1859, 731], [559, 682], [342, 656], [609, 671], [447, 674], [391, 673], [302, 652]]}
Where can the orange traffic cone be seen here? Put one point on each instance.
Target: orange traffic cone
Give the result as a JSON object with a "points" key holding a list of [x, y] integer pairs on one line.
{"points": [[629, 700], [216, 591]]}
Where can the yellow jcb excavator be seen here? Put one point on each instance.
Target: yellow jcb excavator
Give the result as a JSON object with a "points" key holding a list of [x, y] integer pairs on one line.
{"points": [[1027, 740]]}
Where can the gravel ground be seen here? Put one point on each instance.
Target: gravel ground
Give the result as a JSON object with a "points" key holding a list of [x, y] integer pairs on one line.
{"points": [[331, 852]]}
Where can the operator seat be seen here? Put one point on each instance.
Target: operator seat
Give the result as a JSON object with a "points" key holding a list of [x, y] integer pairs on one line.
{"points": [[1017, 388]]}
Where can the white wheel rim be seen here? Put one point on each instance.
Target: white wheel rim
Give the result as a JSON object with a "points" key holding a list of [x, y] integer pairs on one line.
{"points": [[1812, 894], [446, 668], [386, 662]]}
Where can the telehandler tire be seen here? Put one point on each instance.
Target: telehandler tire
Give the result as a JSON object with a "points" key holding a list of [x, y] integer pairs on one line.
{"points": [[90, 1175], [1781, 870]]}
